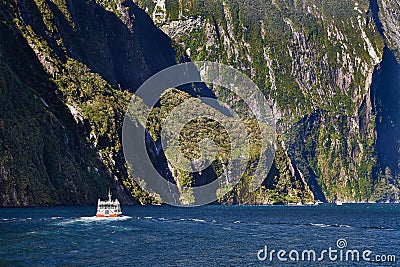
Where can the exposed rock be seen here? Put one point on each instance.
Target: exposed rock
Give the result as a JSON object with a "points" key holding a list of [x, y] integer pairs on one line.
{"points": [[389, 14]]}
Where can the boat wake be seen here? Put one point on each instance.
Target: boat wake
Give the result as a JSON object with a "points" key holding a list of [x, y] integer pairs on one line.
{"points": [[93, 219], [175, 219], [96, 219]]}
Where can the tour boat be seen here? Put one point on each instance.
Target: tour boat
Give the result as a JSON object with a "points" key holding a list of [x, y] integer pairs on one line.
{"points": [[339, 203], [108, 208]]}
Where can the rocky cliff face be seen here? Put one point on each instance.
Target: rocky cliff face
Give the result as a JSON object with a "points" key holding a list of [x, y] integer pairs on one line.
{"points": [[389, 14], [386, 98], [94, 54], [85, 55], [44, 159], [314, 60]]}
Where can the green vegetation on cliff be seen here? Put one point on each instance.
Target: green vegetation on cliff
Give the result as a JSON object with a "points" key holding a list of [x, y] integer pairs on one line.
{"points": [[69, 69], [313, 59], [44, 160]]}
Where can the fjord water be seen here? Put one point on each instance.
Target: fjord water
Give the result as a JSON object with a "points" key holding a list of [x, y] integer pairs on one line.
{"points": [[203, 236]]}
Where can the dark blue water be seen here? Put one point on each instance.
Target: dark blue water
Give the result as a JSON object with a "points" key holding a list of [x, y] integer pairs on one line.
{"points": [[205, 236]]}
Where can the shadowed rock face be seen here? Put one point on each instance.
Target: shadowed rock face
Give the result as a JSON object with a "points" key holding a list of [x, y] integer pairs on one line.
{"points": [[123, 51], [51, 159], [44, 159], [386, 101], [386, 92], [386, 84]]}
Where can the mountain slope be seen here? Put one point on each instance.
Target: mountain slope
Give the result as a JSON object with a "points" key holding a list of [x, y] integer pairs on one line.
{"points": [[44, 159], [91, 51], [78, 63], [316, 61]]}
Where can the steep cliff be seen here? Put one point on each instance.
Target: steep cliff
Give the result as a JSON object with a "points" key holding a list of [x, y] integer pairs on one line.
{"points": [[44, 160], [316, 61], [389, 14], [78, 63], [85, 55]]}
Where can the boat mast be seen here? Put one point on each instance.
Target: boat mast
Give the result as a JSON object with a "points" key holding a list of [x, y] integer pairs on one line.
{"points": [[109, 194]]}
